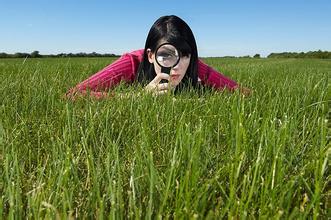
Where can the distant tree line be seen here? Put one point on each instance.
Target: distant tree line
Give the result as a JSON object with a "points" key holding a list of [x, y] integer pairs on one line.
{"points": [[35, 54], [245, 56], [311, 54]]}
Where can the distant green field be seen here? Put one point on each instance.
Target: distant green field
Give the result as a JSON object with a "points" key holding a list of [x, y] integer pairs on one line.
{"points": [[213, 155]]}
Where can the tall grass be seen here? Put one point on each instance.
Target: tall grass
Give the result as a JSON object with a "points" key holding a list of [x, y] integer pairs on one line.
{"points": [[213, 155]]}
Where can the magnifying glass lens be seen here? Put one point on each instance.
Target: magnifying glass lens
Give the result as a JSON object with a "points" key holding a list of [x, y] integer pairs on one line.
{"points": [[167, 55]]}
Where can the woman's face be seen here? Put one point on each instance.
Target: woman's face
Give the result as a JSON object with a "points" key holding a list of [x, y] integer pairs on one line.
{"points": [[177, 73]]}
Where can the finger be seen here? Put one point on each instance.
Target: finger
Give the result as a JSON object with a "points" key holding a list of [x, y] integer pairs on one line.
{"points": [[161, 92], [162, 86], [154, 84], [159, 77]]}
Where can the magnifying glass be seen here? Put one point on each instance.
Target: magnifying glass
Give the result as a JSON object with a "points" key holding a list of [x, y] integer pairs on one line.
{"points": [[167, 56]]}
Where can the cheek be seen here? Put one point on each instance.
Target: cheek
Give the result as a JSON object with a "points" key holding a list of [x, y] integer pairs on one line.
{"points": [[184, 63], [157, 68]]}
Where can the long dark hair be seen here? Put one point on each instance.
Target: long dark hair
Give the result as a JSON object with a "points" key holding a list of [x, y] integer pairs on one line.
{"points": [[174, 30]]}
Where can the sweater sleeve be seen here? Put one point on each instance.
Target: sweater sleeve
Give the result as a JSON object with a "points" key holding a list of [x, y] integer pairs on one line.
{"points": [[123, 69], [215, 79]]}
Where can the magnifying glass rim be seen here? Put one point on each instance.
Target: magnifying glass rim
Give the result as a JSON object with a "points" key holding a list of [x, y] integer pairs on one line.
{"points": [[159, 48]]}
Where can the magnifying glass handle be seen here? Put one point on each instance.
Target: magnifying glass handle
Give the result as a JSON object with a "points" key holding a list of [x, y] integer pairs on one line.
{"points": [[165, 70]]}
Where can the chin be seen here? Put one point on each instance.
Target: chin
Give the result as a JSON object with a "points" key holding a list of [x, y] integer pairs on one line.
{"points": [[176, 82]]}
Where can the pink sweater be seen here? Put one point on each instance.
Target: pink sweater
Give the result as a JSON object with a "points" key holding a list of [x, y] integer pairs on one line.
{"points": [[125, 69]]}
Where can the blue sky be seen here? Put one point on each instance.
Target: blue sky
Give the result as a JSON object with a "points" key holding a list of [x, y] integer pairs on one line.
{"points": [[221, 27]]}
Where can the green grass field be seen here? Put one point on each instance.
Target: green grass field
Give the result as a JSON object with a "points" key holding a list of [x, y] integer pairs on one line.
{"points": [[215, 155]]}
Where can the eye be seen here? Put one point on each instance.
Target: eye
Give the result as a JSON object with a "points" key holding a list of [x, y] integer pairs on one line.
{"points": [[165, 55]]}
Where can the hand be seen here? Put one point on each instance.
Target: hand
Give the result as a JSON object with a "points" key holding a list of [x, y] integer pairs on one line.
{"points": [[159, 88]]}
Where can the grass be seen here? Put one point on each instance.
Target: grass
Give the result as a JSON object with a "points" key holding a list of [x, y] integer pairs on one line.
{"points": [[215, 155]]}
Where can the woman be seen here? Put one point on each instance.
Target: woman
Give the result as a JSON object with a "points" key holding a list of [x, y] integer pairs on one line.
{"points": [[141, 65]]}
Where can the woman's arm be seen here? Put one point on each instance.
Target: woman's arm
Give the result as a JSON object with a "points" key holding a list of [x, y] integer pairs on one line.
{"points": [[217, 80], [97, 85]]}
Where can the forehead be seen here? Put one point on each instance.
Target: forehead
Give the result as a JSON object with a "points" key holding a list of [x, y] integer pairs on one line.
{"points": [[160, 42], [167, 46]]}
